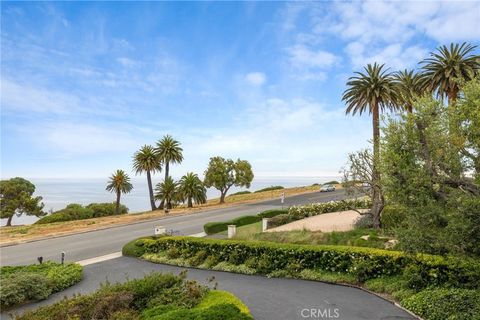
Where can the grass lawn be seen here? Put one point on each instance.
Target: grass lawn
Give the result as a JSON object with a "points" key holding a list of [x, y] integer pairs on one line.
{"points": [[244, 232]]}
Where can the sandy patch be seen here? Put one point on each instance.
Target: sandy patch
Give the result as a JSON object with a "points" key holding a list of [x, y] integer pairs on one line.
{"points": [[327, 222]]}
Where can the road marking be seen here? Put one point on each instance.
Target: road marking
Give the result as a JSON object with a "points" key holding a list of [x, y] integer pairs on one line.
{"points": [[106, 257], [198, 235]]}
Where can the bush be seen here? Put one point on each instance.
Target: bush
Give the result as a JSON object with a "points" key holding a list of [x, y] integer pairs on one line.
{"points": [[216, 227], [272, 213], [393, 216], [301, 212], [364, 263], [331, 182], [270, 189], [364, 222], [76, 211], [280, 220], [240, 193], [36, 282], [442, 304]]}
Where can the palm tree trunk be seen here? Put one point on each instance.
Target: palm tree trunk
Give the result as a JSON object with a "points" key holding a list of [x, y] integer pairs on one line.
{"points": [[452, 101], [167, 167], [9, 221], [150, 190], [117, 205], [376, 197], [190, 204]]}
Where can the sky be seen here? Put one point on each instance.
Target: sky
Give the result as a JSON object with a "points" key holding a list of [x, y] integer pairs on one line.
{"points": [[86, 84]]}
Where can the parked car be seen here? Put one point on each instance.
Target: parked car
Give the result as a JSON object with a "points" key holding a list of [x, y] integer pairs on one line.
{"points": [[327, 188]]}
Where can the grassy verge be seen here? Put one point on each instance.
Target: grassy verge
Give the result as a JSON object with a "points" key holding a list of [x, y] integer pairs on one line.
{"points": [[21, 284], [18, 234], [155, 297]]}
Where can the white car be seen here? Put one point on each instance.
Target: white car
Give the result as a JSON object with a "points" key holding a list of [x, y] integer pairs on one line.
{"points": [[327, 188]]}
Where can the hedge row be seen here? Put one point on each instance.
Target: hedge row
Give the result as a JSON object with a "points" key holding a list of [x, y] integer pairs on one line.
{"points": [[216, 227], [364, 263], [305, 211], [76, 211], [272, 188], [35, 282]]}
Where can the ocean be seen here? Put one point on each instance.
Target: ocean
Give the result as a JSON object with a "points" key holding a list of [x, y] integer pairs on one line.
{"points": [[57, 193]]}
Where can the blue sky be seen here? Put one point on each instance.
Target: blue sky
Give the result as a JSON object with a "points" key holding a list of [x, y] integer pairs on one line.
{"points": [[83, 85]]}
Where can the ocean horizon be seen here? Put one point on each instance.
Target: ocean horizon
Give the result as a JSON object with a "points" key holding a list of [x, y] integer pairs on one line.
{"points": [[59, 192]]}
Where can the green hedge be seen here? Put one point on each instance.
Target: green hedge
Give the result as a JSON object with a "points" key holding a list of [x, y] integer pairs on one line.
{"points": [[155, 297], [216, 227], [444, 304], [270, 189], [364, 263], [240, 193], [309, 210], [76, 211], [36, 282]]}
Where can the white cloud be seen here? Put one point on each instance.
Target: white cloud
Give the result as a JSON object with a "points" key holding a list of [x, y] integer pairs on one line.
{"points": [[303, 57], [127, 62], [255, 78]]}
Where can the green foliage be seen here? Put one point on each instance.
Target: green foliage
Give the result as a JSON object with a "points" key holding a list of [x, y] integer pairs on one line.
{"points": [[191, 188], [272, 213], [78, 212], [331, 182], [156, 296], [36, 282], [133, 248], [222, 174], [119, 182], [216, 227], [301, 212], [445, 304], [240, 193], [17, 198], [272, 188], [280, 220], [364, 222], [393, 216], [168, 192]]}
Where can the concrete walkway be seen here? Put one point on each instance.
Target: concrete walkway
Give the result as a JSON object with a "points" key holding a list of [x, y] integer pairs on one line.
{"points": [[268, 299]]}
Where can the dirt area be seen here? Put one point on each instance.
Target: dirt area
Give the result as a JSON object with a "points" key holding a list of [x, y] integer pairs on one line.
{"points": [[328, 222], [25, 233]]}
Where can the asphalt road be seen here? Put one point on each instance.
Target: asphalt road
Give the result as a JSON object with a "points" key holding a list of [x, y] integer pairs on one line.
{"points": [[268, 299], [98, 243]]}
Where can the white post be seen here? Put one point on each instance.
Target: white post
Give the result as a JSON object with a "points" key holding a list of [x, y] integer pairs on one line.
{"points": [[265, 224], [232, 230], [160, 230]]}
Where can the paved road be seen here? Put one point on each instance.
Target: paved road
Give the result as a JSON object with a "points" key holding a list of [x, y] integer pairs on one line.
{"points": [[268, 299], [98, 243]]}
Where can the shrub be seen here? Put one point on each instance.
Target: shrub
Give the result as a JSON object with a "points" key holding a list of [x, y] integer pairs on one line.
{"points": [[76, 211], [364, 263], [216, 227], [364, 222], [36, 282], [240, 193], [133, 248], [441, 304], [244, 220], [331, 182], [270, 189], [272, 213], [392, 216], [280, 220], [301, 212]]}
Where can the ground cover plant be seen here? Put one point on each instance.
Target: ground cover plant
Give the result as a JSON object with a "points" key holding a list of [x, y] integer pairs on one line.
{"points": [[410, 279], [76, 211], [155, 297], [21, 284]]}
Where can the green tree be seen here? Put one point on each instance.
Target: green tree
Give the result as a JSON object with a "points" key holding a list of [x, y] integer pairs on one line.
{"points": [[192, 189], [169, 151], [16, 197], [372, 91], [167, 192], [448, 66], [147, 160], [222, 174], [119, 183], [410, 86]]}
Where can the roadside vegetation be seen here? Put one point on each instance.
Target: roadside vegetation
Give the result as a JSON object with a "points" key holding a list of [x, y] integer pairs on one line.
{"points": [[155, 297], [22, 284], [76, 211]]}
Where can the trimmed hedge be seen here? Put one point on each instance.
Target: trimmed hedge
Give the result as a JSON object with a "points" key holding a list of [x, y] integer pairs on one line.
{"points": [[270, 189], [216, 227], [363, 263], [36, 282], [301, 212], [76, 211]]}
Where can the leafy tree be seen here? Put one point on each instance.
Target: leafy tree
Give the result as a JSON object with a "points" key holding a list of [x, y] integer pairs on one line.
{"points": [[16, 197], [192, 189], [169, 151], [410, 86], [372, 91], [119, 183], [146, 160], [167, 191], [446, 68], [222, 174]]}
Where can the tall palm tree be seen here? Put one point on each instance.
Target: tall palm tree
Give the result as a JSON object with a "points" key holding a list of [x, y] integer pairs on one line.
{"points": [[169, 151], [447, 66], [146, 160], [119, 183], [192, 188], [167, 192], [372, 91], [410, 85]]}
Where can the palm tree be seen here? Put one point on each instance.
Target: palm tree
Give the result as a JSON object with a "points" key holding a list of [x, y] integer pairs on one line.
{"points": [[146, 160], [167, 192], [119, 183], [169, 151], [372, 91], [447, 66], [410, 85], [192, 188]]}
